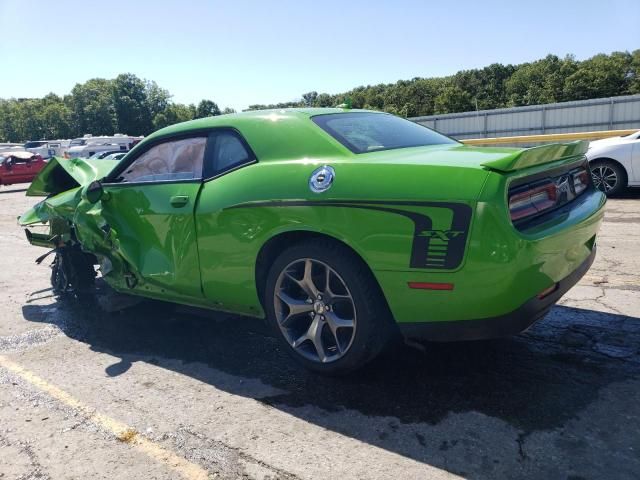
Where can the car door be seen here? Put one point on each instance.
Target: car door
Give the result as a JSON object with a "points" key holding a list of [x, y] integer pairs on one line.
{"points": [[30, 169], [36, 165], [5, 171], [17, 170], [221, 266], [149, 209]]}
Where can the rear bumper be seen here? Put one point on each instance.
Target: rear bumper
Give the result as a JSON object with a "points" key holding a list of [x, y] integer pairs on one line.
{"points": [[500, 326]]}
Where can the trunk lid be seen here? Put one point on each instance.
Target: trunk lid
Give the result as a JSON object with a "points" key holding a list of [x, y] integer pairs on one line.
{"points": [[535, 156], [498, 159]]}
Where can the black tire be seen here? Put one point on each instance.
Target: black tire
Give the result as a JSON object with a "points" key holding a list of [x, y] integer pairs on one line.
{"points": [[601, 171], [59, 281], [373, 322], [72, 274]]}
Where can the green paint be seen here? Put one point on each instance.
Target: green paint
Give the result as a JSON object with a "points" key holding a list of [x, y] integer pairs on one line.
{"points": [[204, 252]]}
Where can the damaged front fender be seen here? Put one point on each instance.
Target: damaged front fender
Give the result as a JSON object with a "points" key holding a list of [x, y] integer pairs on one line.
{"points": [[60, 181], [62, 174], [66, 218]]}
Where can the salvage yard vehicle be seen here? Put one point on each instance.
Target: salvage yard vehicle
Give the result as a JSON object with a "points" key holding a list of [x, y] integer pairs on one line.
{"points": [[89, 145], [47, 148], [19, 167], [341, 227], [11, 147], [115, 156], [105, 154], [615, 163]]}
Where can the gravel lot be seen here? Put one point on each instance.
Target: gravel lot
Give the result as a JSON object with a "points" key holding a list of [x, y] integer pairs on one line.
{"points": [[158, 391]]}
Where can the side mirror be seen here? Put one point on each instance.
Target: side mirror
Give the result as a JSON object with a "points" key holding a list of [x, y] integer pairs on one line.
{"points": [[93, 192]]}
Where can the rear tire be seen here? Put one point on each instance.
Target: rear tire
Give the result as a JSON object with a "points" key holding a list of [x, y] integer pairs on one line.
{"points": [[326, 308], [609, 177]]}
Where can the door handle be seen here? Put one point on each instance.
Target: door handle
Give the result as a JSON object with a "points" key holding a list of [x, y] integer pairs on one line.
{"points": [[178, 201]]}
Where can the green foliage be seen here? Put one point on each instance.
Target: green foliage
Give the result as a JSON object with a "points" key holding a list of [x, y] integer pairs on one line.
{"points": [[93, 108], [309, 99], [452, 98], [174, 113], [603, 75], [126, 104], [207, 108], [130, 105], [539, 82], [548, 80]]}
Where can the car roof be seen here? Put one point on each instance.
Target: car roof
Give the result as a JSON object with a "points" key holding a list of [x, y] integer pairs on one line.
{"points": [[22, 155], [232, 119], [269, 132]]}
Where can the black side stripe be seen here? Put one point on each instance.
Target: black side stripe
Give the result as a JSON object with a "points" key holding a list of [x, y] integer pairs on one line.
{"points": [[439, 249]]}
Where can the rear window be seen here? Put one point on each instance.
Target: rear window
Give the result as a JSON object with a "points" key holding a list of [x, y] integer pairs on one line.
{"points": [[370, 132]]}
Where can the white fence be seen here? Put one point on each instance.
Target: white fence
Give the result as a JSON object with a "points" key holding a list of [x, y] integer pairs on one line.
{"points": [[615, 113]]}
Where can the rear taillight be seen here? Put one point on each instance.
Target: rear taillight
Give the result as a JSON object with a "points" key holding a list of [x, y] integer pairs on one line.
{"points": [[537, 197], [532, 200], [580, 180]]}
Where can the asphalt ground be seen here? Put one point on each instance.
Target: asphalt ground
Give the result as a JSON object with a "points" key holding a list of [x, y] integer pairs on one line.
{"points": [[161, 392]]}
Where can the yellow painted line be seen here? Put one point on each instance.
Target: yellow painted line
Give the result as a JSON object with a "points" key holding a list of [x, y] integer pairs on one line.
{"points": [[121, 431], [605, 280], [553, 137]]}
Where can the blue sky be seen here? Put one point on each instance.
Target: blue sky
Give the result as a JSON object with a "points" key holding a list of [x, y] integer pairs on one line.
{"points": [[242, 52]]}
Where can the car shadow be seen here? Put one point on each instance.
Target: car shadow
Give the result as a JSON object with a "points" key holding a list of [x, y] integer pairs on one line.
{"points": [[537, 381], [629, 193]]}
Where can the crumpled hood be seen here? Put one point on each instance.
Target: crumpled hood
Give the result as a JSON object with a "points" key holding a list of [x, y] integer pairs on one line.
{"points": [[62, 174]]}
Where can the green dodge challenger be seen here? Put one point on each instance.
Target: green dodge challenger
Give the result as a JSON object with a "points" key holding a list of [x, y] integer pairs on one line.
{"points": [[341, 227]]}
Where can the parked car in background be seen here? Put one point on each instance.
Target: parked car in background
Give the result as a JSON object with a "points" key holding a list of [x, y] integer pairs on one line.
{"points": [[105, 154], [115, 156], [47, 148], [11, 147], [19, 167], [89, 145], [615, 163], [342, 227]]}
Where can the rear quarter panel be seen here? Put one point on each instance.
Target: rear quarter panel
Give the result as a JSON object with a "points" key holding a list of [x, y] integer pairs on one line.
{"points": [[371, 208]]}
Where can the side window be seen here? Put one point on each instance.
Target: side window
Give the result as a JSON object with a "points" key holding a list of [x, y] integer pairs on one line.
{"points": [[172, 160], [229, 151]]}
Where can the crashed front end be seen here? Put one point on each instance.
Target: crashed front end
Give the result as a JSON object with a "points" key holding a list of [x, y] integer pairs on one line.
{"points": [[67, 223]]}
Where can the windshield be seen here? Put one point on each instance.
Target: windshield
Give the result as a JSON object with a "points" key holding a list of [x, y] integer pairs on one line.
{"points": [[370, 132], [77, 142]]}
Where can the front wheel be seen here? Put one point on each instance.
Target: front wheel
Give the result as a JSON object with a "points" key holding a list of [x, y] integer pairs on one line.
{"points": [[608, 177], [326, 308], [72, 274]]}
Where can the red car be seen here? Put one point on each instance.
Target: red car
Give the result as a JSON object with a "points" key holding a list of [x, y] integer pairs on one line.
{"points": [[19, 167]]}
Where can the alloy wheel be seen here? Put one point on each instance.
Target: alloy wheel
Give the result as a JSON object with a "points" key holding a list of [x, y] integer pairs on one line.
{"points": [[605, 178], [315, 310]]}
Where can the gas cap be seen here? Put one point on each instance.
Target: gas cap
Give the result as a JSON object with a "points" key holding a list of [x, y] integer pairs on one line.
{"points": [[321, 179]]}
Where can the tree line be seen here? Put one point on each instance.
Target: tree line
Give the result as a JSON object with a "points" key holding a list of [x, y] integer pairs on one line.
{"points": [[125, 104], [548, 80], [128, 104]]}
